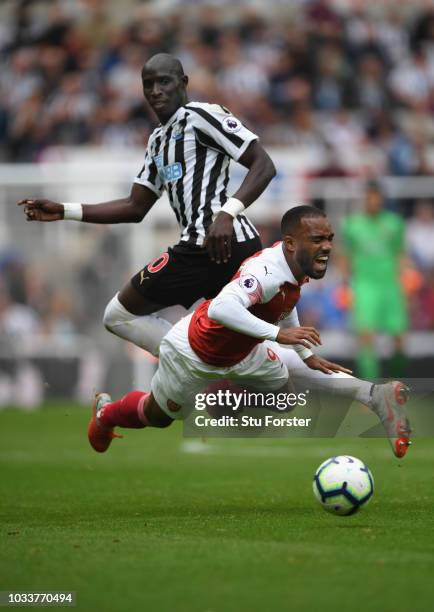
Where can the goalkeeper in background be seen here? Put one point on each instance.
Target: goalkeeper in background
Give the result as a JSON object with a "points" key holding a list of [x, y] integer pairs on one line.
{"points": [[374, 245]]}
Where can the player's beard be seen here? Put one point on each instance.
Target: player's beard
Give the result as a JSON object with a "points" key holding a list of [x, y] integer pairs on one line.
{"points": [[307, 265]]}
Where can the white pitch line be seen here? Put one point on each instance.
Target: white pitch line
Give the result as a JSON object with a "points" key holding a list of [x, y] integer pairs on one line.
{"points": [[197, 447]]}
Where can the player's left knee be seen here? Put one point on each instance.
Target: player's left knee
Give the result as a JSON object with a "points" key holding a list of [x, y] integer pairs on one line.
{"points": [[115, 314]]}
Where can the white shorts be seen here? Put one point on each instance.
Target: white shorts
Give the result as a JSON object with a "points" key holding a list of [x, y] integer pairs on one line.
{"points": [[181, 374]]}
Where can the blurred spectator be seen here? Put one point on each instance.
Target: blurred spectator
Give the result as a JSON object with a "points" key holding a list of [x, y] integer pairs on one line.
{"points": [[117, 131], [16, 320], [21, 78], [423, 305], [70, 110], [333, 313], [302, 131], [394, 148], [332, 85], [56, 320], [393, 34], [344, 132], [412, 81], [29, 305], [323, 19], [371, 93], [238, 75], [420, 236], [124, 78], [334, 164]]}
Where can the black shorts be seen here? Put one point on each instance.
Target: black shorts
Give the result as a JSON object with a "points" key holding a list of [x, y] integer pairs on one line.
{"points": [[185, 273]]}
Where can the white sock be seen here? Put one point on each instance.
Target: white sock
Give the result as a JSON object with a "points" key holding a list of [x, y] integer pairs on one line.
{"points": [[145, 331], [337, 383]]}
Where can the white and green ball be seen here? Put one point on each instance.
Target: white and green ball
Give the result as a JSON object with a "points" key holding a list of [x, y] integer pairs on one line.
{"points": [[343, 484]]}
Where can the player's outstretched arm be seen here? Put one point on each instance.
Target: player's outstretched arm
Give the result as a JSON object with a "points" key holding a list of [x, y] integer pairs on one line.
{"points": [[131, 209], [323, 365], [261, 171]]}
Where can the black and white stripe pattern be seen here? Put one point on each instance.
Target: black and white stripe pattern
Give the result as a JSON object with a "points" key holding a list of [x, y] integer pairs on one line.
{"points": [[189, 157]]}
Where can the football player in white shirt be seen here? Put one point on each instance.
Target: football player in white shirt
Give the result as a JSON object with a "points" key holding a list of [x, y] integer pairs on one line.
{"points": [[235, 337]]}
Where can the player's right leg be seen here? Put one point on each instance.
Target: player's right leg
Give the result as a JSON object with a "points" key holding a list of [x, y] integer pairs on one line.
{"points": [[135, 410], [173, 387]]}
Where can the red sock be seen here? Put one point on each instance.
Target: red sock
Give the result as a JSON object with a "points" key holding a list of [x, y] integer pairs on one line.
{"points": [[126, 412]]}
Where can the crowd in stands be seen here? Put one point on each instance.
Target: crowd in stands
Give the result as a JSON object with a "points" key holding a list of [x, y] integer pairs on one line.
{"points": [[303, 74]]}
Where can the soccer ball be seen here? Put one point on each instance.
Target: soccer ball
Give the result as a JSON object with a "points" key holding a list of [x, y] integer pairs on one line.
{"points": [[342, 485]]}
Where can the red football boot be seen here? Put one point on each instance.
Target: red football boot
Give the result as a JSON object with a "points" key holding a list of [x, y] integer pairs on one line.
{"points": [[100, 435]]}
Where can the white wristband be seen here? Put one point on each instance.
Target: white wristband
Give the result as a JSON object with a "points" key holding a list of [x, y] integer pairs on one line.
{"points": [[302, 351], [233, 207], [72, 211]]}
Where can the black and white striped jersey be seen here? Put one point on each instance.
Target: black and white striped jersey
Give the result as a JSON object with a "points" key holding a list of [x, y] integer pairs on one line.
{"points": [[189, 157]]}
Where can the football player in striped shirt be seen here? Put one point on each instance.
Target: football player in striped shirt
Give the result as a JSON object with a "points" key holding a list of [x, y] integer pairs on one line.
{"points": [[236, 337], [188, 157]]}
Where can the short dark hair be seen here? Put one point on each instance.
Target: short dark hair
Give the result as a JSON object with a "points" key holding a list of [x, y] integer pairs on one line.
{"points": [[291, 219]]}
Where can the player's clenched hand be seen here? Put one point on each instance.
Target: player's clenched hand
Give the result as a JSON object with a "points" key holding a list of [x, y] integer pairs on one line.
{"points": [[42, 210], [328, 367], [307, 336], [219, 238]]}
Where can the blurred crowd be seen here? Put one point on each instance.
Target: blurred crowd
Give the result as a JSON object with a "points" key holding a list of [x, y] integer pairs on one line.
{"points": [[353, 83]]}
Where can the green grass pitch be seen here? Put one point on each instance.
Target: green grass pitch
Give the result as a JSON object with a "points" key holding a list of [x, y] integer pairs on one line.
{"points": [[163, 523]]}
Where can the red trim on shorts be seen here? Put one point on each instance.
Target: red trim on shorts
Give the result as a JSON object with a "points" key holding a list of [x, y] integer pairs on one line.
{"points": [[272, 355], [156, 265]]}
